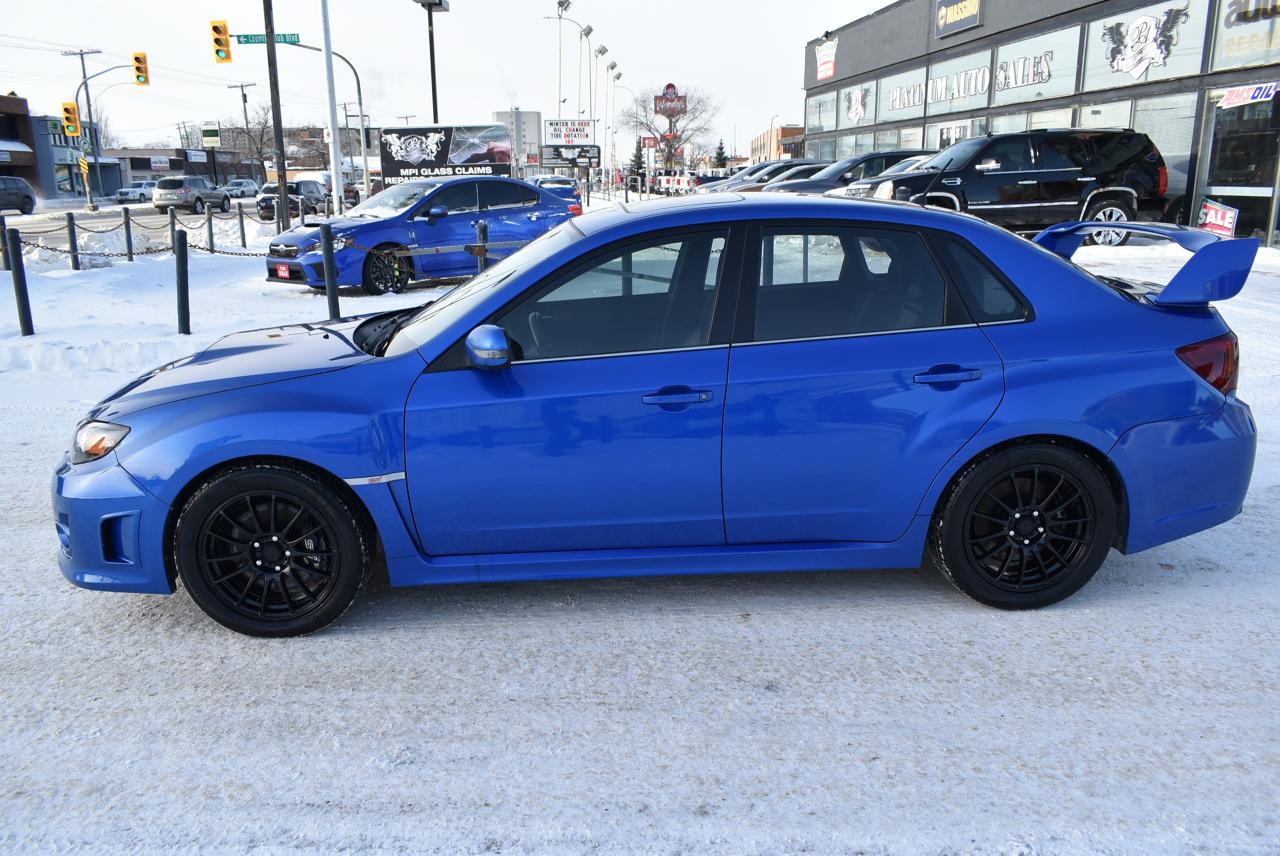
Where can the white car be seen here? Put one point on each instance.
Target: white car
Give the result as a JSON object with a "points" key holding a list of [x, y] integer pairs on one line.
{"points": [[240, 187], [137, 191]]}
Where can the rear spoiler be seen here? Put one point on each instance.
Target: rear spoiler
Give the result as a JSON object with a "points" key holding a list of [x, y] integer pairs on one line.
{"points": [[1217, 270]]}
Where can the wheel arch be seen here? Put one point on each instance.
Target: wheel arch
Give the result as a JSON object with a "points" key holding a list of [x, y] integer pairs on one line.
{"points": [[1115, 481], [337, 485], [1124, 194]]}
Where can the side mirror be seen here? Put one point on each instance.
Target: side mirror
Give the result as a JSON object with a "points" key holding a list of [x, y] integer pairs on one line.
{"points": [[987, 165], [488, 348], [437, 211]]}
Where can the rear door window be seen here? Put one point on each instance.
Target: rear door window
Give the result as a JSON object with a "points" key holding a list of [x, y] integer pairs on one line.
{"points": [[500, 194], [985, 293], [1063, 152]]}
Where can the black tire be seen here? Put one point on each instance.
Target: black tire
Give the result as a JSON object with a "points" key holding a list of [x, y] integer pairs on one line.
{"points": [[383, 272], [226, 204], [27, 206], [1109, 209], [198, 206], [1060, 509], [270, 550]]}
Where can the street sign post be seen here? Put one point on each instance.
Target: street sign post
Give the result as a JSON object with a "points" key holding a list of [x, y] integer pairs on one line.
{"points": [[261, 39]]}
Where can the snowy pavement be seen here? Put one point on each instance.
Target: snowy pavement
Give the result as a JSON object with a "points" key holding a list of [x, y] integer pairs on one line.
{"points": [[876, 712]]}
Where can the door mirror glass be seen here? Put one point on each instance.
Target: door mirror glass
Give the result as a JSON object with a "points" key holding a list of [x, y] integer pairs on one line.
{"points": [[487, 347], [987, 164], [436, 211]]}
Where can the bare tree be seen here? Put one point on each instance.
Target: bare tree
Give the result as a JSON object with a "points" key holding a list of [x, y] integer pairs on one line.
{"points": [[107, 138], [255, 139], [690, 128]]}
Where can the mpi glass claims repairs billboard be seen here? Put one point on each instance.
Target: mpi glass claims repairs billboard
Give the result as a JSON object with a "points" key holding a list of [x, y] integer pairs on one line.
{"points": [[444, 150]]}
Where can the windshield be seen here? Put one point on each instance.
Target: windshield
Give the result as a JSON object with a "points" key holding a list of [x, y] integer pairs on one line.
{"points": [[956, 155], [137, 184], [903, 166], [834, 170], [435, 317], [393, 200]]}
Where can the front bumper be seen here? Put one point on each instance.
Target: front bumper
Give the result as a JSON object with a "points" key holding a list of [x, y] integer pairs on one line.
{"points": [[110, 530], [308, 268], [1186, 475]]}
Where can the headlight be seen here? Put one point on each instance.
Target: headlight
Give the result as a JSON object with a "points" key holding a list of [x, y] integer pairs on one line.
{"points": [[95, 439], [884, 190]]}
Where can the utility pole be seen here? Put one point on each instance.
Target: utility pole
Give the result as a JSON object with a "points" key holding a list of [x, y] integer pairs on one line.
{"points": [[273, 77], [93, 128], [406, 119], [335, 138], [244, 102]]}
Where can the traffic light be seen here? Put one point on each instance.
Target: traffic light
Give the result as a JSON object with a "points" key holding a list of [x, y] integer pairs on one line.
{"points": [[140, 74], [221, 41], [70, 119]]}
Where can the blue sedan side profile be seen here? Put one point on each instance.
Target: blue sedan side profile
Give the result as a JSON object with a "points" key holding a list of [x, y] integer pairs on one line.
{"points": [[712, 385], [417, 215]]}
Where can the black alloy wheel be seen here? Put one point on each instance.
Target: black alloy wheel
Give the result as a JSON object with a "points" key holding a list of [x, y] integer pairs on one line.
{"points": [[384, 272], [269, 550], [1025, 527]]}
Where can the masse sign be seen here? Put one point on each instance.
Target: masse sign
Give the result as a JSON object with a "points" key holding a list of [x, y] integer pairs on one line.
{"points": [[953, 16]]}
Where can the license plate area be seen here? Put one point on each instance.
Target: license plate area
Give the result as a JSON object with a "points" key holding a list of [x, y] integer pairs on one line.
{"points": [[282, 271]]}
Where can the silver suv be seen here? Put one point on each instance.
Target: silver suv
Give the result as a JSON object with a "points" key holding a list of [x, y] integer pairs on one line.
{"points": [[193, 192]]}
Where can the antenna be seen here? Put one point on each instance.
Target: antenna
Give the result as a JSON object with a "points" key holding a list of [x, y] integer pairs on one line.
{"points": [[933, 181]]}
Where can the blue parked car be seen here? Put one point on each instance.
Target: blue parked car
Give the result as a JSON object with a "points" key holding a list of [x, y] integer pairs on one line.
{"points": [[710, 385], [414, 215], [560, 185]]}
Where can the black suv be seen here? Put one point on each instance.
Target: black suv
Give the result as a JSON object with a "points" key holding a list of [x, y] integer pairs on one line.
{"points": [[305, 197], [1038, 178]]}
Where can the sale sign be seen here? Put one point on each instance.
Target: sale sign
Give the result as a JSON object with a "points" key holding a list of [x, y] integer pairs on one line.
{"points": [[1218, 218]]}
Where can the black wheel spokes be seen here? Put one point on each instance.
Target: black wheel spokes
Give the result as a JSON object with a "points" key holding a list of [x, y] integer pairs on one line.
{"points": [[268, 556], [1029, 528]]}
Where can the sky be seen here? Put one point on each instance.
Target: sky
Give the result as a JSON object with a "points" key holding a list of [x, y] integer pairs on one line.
{"points": [[491, 55]]}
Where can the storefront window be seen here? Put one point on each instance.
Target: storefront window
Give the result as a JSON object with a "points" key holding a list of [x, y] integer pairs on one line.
{"points": [[844, 146], [1242, 160], [1170, 122], [820, 113], [959, 84], [856, 105], [811, 149], [942, 134], [1051, 118], [911, 138], [901, 96], [1009, 124], [864, 144], [1113, 115], [827, 149], [886, 140], [1144, 45], [1247, 32], [1036, 68]]}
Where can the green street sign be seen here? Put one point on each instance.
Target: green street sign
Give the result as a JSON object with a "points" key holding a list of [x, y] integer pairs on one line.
{"points": [[261, 39]]}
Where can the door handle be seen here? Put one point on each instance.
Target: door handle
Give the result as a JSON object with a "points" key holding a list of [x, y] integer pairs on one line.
{"points": [[1028, 181], [950, 182], [1085, 178], [942, 375], [676, 397]]}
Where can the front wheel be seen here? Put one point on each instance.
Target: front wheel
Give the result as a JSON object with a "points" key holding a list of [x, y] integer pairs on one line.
{"points": [[1025, 527], [226, 204], [198, 207], [27, 206], [1109, 211], [384, 272], [269, 550]]}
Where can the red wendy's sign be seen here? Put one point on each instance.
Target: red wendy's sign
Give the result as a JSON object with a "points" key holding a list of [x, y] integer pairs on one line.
{"points": [[670, 102]]}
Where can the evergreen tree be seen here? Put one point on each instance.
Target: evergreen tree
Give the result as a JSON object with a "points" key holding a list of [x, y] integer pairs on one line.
{"points": [[637, 160], [721, 159]]}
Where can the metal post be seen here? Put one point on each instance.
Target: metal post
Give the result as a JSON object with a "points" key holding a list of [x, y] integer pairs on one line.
{"points": [[128, 234], [71, 240], [336, 183], [13, 246], [208, 227], [330, 272], [240, 217], [184, 298], [4, 245], [482, 238], [173, 228], [431, 48], [277, 122]]}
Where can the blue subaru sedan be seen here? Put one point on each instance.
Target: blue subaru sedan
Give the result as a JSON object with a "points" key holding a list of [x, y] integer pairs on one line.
{"points": [[713, 385], [439, 215]]}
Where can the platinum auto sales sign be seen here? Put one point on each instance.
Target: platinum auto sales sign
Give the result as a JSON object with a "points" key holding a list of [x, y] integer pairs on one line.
{"points": [[442, 151]]}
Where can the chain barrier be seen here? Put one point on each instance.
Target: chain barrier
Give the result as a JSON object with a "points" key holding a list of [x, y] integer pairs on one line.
{"points": [[62, 228], [162, 227], [102, 253], [218, 252], [82, 228]]}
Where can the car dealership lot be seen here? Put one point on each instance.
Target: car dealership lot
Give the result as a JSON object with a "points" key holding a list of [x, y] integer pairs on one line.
{"points": [[874, 710]]}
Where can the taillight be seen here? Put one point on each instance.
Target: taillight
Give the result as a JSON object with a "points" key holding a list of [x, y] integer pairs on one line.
{"points": [[1164, 180], [1216, 360], [575, 209]]}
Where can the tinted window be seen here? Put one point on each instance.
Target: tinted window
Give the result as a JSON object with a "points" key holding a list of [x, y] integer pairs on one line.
{"points": [[652, 295], [1012, 154], [846, 280], [1063, 153], [985, 294], [169, 183], [1117, 151], [458, 197], [500, 194]]}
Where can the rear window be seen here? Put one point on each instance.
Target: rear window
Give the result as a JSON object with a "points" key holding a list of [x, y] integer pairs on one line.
{"points": [[169, 183], [983, 291], [557, 182], [1118, 150]]}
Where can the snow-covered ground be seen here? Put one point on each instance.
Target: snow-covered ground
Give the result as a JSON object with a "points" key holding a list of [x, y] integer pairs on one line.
{"points": [[875, 712]]}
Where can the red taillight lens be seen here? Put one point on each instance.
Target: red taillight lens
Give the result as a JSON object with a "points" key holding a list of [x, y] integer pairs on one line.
{"points": [[1216, 360], [575, 209], [1164, 180]]}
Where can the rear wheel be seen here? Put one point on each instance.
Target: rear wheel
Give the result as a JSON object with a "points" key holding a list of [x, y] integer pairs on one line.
{"points": [[384, 272], [1109, 211], [26, 206], [198, 207], [226, 204], [1024, 528], [269, 550]]}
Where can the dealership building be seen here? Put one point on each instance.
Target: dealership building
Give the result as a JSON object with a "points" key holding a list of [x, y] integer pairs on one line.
{"points": [[1197, 76]]}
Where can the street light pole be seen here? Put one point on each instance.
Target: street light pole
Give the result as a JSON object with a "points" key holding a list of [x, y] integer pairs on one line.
{"points": [[335, 133], [431, 6], [93, 128]]}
